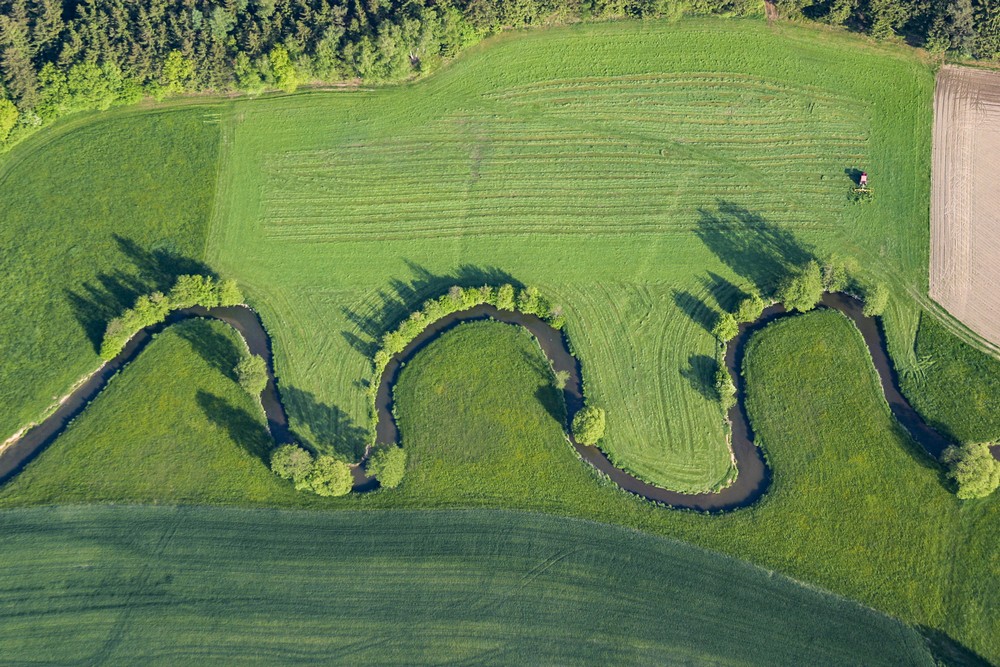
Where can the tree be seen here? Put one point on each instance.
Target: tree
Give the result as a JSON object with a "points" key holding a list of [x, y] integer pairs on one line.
{"points": [[282, 69], [561, 378], [588, 425], [750, 308], [387, 464], [505, 297], [291, 462], [876, 299], [973, 469], [251, 372], [328, 477], [725, 328], [802, 290], [8, 118], [229, 293], [177, 72], [725, 387]]}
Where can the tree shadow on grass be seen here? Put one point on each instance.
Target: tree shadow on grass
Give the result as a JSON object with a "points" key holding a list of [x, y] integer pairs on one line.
{"points": [[391, 306], [700, 312], [95, 303], [948, 652], [727, 295], [552, 400], [752, 247], [700, 373], [324, 428], [220, 351], [242, 427]]}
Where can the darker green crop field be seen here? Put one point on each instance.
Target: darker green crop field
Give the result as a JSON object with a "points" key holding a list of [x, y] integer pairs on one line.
{"points": [[162, 586]]}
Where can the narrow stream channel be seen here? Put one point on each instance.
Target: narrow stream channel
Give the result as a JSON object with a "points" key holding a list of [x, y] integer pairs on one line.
{"points": [[752, 480]]}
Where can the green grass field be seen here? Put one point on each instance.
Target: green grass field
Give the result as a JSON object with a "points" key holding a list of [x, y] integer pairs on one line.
{"points": [[854, 508], [198, 586], [95, 212], [636, 172], [632, 171]]}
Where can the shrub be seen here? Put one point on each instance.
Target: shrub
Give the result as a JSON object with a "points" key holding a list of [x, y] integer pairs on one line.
{"points": [[251, 373], [328, 477], [387, 465], [973, 469], [725, 387], [802, 290], [726, 328], [505, 297], [561, 378], [876, 299], [750, 308], [836, 277], [188, 290], [291, 462], [588, 425]]}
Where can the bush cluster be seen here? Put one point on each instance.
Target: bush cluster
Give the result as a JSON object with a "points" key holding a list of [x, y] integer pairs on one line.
{"points": [[251, 373], [387, 464], [725, 387], [188, 291], [973, 469], [589, 424], [505, 297], [324, 475]]}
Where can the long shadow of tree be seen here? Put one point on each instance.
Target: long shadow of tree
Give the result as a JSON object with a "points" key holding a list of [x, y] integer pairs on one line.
{"points": [[700, 373], [242, 427], [403, 296], [752, 247], [95, 303], [219, 350], [324, 428], [695, 308]]}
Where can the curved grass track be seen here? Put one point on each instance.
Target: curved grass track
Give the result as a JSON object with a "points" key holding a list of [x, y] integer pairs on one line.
{"points": [[206, 586]]}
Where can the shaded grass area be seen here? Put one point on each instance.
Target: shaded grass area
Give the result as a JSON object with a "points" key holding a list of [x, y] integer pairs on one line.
{"points": [[855, 507], [641, 174], [95, 212], [190, 586], [955, 387], [192, 435]]}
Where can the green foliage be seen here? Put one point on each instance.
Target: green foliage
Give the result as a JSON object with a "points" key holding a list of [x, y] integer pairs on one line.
{"points": [[973, 469], [328, 477], [589, 424], [725, 388], [505, 297], [283, 74], [251, 373], [188, 291], [177, 72], [836, 275], [8, 118], [387, 464], [291, 462], [750, 308], [803, 289], [726, 327], [876, 297], [560, 379]]}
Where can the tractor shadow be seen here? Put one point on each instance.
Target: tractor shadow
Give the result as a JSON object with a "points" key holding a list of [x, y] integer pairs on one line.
{"points": [[854, 175], [98, 301], [752, 247]]}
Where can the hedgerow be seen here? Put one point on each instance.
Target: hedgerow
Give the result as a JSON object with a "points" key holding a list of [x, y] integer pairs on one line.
{"points": [[151, 309]]}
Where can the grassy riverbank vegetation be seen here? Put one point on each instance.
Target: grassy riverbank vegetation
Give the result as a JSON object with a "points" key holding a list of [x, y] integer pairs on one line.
{"points": [[95, 214], [173, 586], [485, 430]]}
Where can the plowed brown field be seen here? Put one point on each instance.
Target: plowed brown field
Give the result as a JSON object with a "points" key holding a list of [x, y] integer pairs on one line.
{"points": [[965, 198]]}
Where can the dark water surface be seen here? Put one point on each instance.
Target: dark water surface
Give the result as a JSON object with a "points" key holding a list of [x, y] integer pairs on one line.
{"points": [[752, 480]]}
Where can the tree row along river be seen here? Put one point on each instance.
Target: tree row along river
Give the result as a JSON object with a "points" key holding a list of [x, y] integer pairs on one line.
{"points": [[753, 474]]}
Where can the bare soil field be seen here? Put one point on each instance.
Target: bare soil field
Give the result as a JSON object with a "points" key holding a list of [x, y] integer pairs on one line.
{"points": [[965, 198]]}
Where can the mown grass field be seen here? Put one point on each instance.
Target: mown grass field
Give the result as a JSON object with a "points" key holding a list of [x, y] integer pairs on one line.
{"points": [[634, 172], [854, 508], [196, 586], [95, 212]]}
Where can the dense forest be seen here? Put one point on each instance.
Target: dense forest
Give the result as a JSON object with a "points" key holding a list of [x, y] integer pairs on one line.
{"points": [[61, 56]]}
